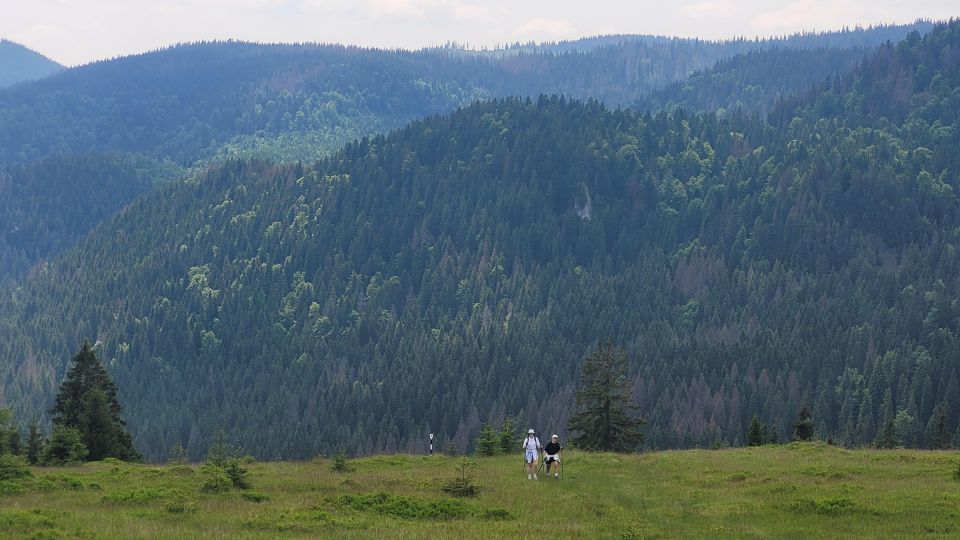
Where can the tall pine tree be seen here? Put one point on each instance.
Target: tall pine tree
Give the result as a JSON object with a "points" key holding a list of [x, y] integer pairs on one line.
{"points": [[87, 401], [603, 402]]}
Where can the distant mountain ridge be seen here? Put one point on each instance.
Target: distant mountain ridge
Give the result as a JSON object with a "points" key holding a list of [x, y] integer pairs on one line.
{"points": [[20, 64]]}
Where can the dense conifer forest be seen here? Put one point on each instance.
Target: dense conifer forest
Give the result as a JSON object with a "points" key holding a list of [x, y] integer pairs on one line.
{"points": [[458, 269], [166, 112]]}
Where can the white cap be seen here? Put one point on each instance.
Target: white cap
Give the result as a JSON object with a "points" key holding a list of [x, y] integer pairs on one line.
{"points": [[530, 431], [555, 436]]}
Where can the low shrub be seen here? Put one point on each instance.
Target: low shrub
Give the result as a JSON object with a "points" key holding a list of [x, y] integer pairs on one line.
{"points": [[254, 496], [59, 482], [180, 505], [216, 480], [340, 463], [26, 523], [494, 514], [302, 521], [462, 484], [11, 487], [403, 507], [137, 496], [14, 467], [237, 473]]}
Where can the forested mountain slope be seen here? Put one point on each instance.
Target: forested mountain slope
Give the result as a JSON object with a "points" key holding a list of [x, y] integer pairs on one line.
{"points": [[753, 82], [18, 64], [47, 205], [187, 101], [192, 104], [459, 268]]}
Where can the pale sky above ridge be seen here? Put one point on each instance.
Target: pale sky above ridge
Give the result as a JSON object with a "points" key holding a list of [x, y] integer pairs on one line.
{"points": [[75, 32]]}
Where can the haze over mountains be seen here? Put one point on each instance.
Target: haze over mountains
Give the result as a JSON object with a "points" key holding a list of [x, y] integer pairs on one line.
{"points": [[19, 64], [753, 251]]}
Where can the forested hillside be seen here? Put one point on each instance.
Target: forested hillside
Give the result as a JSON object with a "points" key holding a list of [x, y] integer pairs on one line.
{"points": [[458, 269], [752, 83], [185, 102], [190, 105], [47, 205], [18, 64]]}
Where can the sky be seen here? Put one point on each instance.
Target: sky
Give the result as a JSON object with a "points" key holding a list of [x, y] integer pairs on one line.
{"points": [[75, 32]]}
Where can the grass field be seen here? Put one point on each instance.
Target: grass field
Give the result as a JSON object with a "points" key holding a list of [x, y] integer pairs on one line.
{"points": [[791, 491]]}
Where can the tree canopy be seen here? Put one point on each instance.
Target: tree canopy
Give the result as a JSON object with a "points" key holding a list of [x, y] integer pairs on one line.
{"points": [[602, 418], [87, 402]]}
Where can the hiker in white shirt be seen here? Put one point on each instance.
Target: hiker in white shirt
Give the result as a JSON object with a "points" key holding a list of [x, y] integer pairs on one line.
{"points": [[531, 452]]}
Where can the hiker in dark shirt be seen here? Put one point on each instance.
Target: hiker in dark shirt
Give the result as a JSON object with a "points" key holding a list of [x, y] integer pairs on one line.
{"points": [[553, 449]]}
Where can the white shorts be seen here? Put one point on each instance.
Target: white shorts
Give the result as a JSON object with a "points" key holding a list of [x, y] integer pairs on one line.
{"points": [[531, 456]]}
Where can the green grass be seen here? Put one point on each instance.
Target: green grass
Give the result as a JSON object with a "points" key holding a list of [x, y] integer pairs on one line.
{"points": [[790, 491]]}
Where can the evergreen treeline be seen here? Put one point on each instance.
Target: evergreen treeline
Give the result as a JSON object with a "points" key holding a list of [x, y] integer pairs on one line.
{"points": [[457, 270]]}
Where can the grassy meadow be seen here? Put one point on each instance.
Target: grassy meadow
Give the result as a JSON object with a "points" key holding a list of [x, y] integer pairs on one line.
{"points": [[790, 491]]}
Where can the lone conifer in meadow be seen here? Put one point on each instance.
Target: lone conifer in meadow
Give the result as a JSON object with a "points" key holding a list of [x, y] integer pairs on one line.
{"points": [[34, 443], [603, 402], [757, 432], [87, 401], [803, 429]]}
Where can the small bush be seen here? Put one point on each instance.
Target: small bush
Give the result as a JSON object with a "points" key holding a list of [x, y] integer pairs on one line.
{"points": [[237, 473], [494, 514], [340, 463], [20, 523], [136, 496], [180, 505], [831, 506], [254, 496], [179, 470], [177, 455], [13, 467], [11, 487], [302, 521], [461, 485], [59, 482], [216, 480], [403, 507]]}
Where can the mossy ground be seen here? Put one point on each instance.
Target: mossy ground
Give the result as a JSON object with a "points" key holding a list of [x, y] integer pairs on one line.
{"points": [[790, 491]]}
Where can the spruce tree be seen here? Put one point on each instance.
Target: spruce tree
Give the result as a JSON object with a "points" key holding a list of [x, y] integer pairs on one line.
{"points": [[757, 432], [602, 404], [887, 438], [64, 446], [87, 401], [941, 437], [34, 443], [803, 428], [509, 435], [488, 442], [6, 429]]}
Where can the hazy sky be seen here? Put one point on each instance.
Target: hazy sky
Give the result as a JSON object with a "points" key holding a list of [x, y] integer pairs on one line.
{"points": [[79, 31]]}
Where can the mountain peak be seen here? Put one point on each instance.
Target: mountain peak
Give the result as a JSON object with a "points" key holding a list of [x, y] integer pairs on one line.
{"points": [[18, 64]]}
